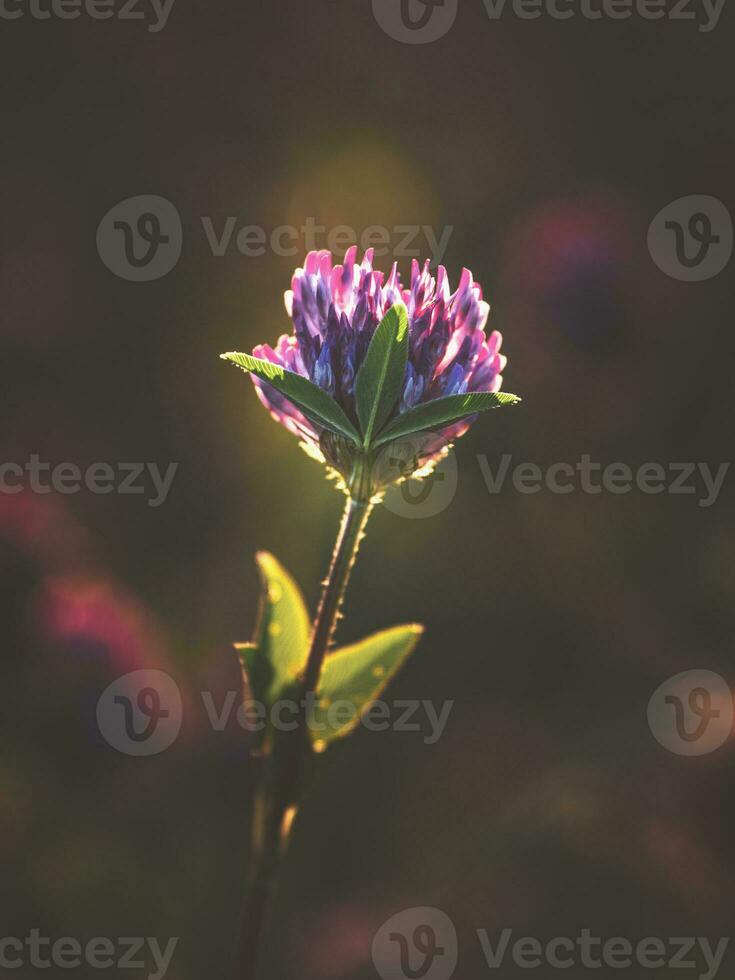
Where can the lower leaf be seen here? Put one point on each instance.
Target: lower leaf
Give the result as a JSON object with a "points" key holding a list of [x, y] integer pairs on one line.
{"points": [[353, 677]]}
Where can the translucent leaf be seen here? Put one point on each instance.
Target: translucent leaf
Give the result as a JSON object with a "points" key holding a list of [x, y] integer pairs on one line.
{"points": [[278, 653], [313, 401], [443, 411], [380, 379], [357, 675]]}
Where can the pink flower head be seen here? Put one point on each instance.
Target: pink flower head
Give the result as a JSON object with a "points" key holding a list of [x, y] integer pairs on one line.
{"points": [[335, 310]]}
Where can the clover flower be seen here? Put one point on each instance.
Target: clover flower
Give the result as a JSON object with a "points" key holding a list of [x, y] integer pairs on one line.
{"points": [[376, 380], [371, 363]]}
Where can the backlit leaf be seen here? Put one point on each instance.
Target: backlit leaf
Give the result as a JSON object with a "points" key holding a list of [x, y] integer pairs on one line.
{"points": [[357, 675], [380, 379], [443, 411], [277, 655], [313, 401]]}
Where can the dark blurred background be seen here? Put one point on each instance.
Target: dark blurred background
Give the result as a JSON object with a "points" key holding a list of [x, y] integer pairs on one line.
{"points": [[547, 806]]}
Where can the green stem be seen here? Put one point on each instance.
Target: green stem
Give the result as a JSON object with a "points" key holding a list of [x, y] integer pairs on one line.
{"points": [[267, 843], [253, 921], [283, 796], [354, 520]]}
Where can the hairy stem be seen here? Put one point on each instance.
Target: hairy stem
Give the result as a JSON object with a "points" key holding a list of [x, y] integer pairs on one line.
{"points": [[353, 525]]}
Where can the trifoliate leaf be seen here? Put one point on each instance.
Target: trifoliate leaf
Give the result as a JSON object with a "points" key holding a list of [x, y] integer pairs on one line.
{"points": [[380, 379], [355, 676], [277, 655], [443, 411], [313, 401]]}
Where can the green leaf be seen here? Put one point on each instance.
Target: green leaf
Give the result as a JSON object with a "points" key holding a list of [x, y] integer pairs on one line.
{"points": [[277, 655], [313, 401], [358, 674], [380, 379], [443, 411]]}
